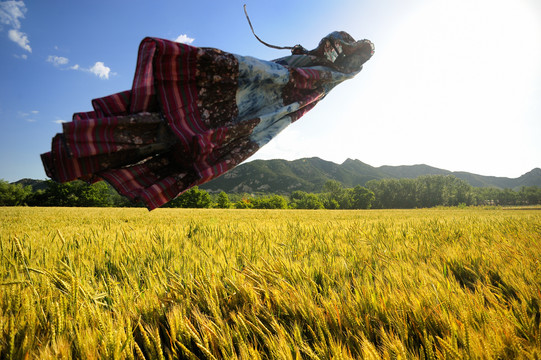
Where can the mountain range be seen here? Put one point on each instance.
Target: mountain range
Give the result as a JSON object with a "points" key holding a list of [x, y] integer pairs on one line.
{"points": [[310, 174]]}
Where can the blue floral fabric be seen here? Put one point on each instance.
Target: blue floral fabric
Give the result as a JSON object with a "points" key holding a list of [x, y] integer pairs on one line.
{"points": [[195, 113]]}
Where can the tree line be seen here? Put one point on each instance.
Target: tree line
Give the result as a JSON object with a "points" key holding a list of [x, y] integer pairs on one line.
{"points": [[440, 190], [422, 192]]}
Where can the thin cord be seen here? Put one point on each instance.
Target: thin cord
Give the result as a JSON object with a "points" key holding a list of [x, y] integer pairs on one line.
{"points": [[261, 41]]}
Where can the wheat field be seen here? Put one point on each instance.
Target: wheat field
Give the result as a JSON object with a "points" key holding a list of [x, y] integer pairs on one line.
{"points": [[106, 283]]}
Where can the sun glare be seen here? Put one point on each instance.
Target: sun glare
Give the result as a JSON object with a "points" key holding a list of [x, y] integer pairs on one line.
{"points": [[456, 72]]}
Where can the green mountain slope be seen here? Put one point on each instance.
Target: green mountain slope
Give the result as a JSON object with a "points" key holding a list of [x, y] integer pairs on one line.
{"points": [[310, 174]]}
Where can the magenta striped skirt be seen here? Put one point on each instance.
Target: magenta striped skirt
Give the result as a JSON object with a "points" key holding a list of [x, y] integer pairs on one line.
{"points": [[193, 114]]}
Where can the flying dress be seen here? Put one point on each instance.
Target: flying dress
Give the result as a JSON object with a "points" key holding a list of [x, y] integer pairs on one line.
{"points": [[194, 113]]}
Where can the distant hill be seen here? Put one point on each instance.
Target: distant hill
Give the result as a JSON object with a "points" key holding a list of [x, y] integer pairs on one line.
{"points": [[35, 184], [310, 174]]}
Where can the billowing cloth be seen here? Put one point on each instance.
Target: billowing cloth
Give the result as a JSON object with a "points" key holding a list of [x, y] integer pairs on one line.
{"points": [[194, 113]]}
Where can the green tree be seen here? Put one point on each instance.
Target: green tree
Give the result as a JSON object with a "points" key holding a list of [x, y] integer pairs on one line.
{"points": [[302, 200], [334, 188], [278, 202], [335, 196], [456, 191], [495, 196], [295, 197], [192, 198], [424, 191], [96, 194], [486, 196], [311, 201], [385, 191], [13, 194], [270, 202], [530, 195], [430, 190], [362, 198], [244, 203], [75, 193], [223, 201], [508, 197]]}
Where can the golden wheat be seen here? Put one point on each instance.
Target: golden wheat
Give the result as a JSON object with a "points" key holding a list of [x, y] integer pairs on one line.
{"points": [[262, 284]]}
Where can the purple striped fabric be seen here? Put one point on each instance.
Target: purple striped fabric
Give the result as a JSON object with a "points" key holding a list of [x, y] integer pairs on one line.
{"points": [[116, 104], [177, 126]]}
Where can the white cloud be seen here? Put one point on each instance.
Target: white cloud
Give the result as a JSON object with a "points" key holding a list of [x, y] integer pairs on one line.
{"points": [[11, 12], [20, 39], [99, 69], [57, 60], [23, 56], [59, 121], [184, 39], [26, 115]]}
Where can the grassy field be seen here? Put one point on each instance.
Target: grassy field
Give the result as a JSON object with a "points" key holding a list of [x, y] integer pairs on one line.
{"points": [[243, 284]]}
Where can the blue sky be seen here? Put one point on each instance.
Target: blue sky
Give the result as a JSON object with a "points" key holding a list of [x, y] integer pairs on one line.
{"points": [[453, 84]]}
